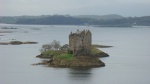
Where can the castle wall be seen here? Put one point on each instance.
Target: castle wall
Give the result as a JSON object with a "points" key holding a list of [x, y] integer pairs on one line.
{"points": [[78, 41]]}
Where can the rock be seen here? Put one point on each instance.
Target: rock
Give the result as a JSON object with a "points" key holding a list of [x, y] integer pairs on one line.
{"points": [[29, 42], [101, 46], [43, 56], [17, 43], [79, 61]]}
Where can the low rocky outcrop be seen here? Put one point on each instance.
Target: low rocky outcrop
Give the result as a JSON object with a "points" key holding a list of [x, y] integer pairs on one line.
{"points": [[6, 31], [101, 46], [9, 28], [17, 43], [78, 61]]}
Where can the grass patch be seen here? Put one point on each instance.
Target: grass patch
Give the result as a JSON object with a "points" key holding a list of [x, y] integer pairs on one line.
{"points": [[94, 51], [63, 59], [53, 53], [65, 56]]}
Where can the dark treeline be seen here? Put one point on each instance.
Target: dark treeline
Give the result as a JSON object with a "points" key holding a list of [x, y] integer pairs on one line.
{"points": [[70, 20], [54, 20]]}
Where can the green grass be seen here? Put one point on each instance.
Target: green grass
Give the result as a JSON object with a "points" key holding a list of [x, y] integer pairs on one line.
{"points": [[65, 56], [58, 54], [47, 53], [53, 53], [94, 51], [63, 59]]}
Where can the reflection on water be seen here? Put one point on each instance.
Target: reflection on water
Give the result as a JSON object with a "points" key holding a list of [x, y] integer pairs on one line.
{"points": [[80, 74]]}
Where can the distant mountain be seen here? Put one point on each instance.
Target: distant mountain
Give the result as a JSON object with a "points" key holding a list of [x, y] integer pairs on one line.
{"points": [[144, 20], [104, 21], [101, 17], [48, 20]]}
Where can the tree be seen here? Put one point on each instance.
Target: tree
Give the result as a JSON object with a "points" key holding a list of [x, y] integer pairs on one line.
{"points": [[64, 47], [54, 45], [46, 47]]}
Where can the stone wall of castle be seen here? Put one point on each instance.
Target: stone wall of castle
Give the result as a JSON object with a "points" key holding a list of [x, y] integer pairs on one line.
{"points": [[80, 40]]}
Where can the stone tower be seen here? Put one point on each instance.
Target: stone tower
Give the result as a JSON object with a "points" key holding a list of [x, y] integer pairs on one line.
{"points": [[80, 42]]}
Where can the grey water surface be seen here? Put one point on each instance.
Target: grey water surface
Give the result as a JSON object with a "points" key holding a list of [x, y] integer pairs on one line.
{"points": [[128, 63]]}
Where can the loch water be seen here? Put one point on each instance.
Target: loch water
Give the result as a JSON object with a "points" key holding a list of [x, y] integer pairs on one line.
{"points": [[128, 63]]}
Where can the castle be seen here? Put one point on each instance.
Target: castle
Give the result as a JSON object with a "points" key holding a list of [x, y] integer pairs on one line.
{"points": [[80, 42]]}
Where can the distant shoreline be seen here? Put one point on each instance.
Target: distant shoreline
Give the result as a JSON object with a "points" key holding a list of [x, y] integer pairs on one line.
{"points": [[113, 26], [112, 21]]}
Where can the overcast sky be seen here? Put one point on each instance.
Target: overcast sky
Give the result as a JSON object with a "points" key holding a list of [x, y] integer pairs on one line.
{"points": [[75, 7]]}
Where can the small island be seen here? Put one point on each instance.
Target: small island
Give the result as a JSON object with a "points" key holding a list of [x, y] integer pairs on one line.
{"points": [[79, 53], [17, 43], [9, 28]]}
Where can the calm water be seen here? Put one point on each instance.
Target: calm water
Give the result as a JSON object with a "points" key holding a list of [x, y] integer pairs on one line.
{"points": [[129, 61]]}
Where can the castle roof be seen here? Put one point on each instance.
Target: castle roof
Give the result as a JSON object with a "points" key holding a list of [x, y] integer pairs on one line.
{"points": [[79, 32]]}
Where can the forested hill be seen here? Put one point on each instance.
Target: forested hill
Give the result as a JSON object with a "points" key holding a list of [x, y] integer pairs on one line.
{"points": [[99, 17], [71, 20], [47, 20]]}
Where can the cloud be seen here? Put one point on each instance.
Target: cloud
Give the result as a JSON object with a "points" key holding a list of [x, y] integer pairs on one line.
{"points": [[38, 7]]}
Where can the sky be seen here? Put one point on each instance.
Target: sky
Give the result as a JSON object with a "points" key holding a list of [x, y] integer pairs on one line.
{"points": [[127, 8]]}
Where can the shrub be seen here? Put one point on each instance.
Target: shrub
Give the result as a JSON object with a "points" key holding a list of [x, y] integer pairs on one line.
{"points": [[54, 45]]}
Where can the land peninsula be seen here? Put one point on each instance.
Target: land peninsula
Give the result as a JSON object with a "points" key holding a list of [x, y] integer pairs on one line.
{"points": [[79, 53]]}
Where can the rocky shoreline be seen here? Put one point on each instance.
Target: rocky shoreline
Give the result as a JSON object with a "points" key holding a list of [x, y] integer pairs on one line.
{"points": [[102, 54], [79, 61]]}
